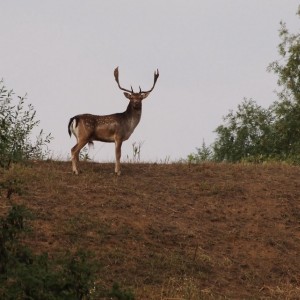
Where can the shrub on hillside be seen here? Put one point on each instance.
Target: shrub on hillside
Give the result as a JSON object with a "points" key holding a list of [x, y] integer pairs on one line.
{"points": [[24, 275], [16, 125]]}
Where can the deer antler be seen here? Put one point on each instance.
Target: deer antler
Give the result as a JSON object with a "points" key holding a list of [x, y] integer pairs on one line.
{"points": [[116, 74], [156, 75]]}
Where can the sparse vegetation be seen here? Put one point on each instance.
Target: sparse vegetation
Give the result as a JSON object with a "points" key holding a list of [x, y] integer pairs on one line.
{"points": [[204, 154], [84, 154], [198, 231], [136, 152]]}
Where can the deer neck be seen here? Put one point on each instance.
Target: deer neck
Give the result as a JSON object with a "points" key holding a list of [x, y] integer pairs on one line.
{"points": [[133, 115]]}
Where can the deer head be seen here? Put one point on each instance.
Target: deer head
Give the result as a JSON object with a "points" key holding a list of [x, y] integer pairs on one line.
{"points": [[135, 98]]}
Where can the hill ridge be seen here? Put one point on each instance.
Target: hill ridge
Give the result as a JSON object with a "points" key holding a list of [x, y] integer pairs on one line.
{"points": [[165, 230]]}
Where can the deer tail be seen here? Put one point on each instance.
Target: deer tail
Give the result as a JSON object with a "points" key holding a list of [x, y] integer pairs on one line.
{"points": [[70, 124], [91, 144]]}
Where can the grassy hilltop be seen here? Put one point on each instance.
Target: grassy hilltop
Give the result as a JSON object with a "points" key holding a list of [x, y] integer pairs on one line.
{"points": [[174, 231]]}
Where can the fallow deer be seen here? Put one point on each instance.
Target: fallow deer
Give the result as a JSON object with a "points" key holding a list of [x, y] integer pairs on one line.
{"points": [[115, 128]]}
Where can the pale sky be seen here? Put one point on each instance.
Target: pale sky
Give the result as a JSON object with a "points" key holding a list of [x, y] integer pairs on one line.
{"points": [[210, 55]]}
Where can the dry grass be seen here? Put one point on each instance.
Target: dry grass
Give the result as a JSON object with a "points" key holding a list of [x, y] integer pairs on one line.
{"points": [[176, 231]]}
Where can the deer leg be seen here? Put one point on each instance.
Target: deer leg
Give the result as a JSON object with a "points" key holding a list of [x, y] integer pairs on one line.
{"points": [[118, 145], [75, 155]]}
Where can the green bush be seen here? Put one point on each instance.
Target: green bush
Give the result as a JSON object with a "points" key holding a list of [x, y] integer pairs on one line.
{"points": [[16, 126], [24, 275], [203, 154], [247, 134], [119, 294]]}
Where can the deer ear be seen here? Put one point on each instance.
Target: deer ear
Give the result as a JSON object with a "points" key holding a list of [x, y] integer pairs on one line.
{"points": [[127, 95], [145, 95]]}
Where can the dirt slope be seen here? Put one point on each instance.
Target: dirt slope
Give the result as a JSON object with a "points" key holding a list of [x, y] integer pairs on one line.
{"points": [[175, 231]]}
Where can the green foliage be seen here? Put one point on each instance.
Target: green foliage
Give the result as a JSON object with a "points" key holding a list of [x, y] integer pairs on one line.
{"points": [[287, 68], [255, 134], [119, 294], [78, 274], [24, 275], [287, 108], [10, 251], [16, 125], [247, 134], [203, 154]]}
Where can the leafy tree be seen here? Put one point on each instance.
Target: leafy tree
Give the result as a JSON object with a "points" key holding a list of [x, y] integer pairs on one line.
{"points": [[287, 68], [16, 125], [246, 134], [257, 134], [287, 108]]}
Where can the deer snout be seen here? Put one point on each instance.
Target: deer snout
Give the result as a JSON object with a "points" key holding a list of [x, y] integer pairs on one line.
{"points": [[137, 104]]}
